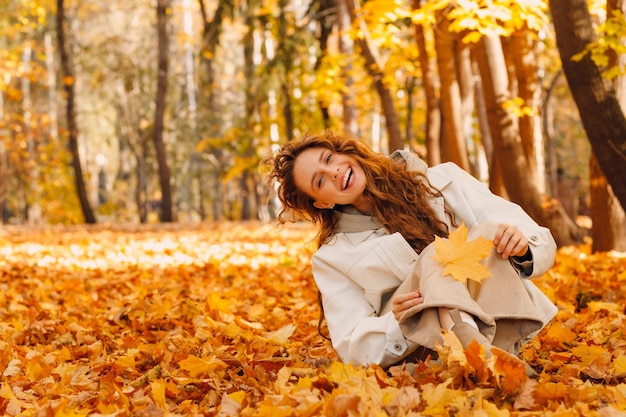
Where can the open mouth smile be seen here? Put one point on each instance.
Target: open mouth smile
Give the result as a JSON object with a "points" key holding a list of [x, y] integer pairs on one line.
{"points": [[347, 177]]}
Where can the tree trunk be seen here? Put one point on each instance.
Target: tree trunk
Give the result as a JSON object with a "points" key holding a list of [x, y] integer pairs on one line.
{"points": [[324, 21], [4, 173], [409, 88], [346, 46], [433, 111], [496, 183], [524, 61], [507, 147], [246, 203], [548, 133], [159, 114], [33, 212], [453, 146], [595, 97], [608, 218], [374, 68], [211, 31], [251, 111], [467, 83], [67, 74], [141, 190], [285, 54]]}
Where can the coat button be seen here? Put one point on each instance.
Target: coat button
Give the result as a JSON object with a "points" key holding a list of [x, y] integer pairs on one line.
{"points": [[397, 347], [534, 238]]}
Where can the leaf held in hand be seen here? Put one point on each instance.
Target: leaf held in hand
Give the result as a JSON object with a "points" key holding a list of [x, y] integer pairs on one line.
{"points": [[461, 259]]}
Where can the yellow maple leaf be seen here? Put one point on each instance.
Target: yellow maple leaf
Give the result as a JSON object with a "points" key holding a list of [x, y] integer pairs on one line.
{"points": [[588, 353], [619, 364], [199, 367], [461, 259], [158, 393]]}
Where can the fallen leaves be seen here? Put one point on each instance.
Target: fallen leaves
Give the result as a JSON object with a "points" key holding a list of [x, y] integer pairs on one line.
{"points": [[221, 320], [460, 257]]}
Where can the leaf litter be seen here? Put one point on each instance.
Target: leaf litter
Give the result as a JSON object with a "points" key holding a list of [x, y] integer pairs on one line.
{"points": [[222, 320]]}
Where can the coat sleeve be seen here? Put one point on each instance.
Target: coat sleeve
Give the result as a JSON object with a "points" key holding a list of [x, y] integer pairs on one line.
{"points": [[358, 334], [473, 203]]}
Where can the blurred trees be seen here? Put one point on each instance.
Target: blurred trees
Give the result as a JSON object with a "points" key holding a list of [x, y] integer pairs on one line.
{"points": [[473, 82]]}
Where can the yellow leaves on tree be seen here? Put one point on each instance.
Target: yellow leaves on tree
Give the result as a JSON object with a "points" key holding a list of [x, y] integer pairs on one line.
{"points": [[461, 259]]}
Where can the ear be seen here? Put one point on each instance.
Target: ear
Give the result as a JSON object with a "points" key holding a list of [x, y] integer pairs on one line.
{"points": [[323, 205]]}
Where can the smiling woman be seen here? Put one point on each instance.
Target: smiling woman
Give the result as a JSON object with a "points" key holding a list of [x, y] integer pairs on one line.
{"points": [[335, 179], [384, 297]]}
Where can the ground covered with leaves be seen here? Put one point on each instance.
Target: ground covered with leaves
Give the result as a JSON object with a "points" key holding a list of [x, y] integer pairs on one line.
{"points": [[221, 319]]}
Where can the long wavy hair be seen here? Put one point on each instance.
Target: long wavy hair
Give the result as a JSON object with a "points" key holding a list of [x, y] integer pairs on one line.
{"points": [[399, 197]]}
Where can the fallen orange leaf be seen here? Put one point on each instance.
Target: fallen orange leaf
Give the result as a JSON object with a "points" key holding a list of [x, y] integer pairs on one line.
{"points": [[509, 370]]}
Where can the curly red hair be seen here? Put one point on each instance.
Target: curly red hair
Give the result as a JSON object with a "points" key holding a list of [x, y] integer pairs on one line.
{"points": [[400, 198]]}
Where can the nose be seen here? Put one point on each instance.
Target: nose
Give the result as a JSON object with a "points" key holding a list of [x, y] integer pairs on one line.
{"points": [[332, 171]]}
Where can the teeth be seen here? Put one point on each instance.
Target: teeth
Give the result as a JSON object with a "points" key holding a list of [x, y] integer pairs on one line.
{"points": [[346, 178]]}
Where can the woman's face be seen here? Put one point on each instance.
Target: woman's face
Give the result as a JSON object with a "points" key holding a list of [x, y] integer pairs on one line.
{"points": [[330, 178]]}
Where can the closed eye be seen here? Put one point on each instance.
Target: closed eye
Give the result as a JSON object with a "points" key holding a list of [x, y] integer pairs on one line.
{"points": [[327, 159]]}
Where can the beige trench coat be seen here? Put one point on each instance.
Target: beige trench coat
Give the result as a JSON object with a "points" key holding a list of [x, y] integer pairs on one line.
{"points": [[358, 272], [508, 310]]}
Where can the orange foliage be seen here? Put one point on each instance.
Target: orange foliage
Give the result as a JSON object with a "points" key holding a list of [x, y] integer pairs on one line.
{"points": [[221, 320]]}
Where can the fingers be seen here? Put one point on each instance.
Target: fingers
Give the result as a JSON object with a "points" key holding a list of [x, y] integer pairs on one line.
{"points": [[403, 302], [510, 241]]}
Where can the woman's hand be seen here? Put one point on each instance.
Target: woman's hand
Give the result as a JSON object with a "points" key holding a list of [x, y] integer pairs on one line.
{"points": [[510, 241], [403, 302]]}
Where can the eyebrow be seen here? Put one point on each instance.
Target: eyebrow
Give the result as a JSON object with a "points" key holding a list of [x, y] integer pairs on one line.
{"points": [[315, 173]]}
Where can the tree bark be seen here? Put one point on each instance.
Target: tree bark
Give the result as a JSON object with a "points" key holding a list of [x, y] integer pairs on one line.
{"points": [[67, 74], [608, 218], [507, 145], [325, 22], [285, 54], [159, 114], [141, 190], [548, 133], [496, 183], [453, 146], [252, 103], [208, 99], [433, 111], [374, 68], [595, 97], [346, 46], [524, 61]]}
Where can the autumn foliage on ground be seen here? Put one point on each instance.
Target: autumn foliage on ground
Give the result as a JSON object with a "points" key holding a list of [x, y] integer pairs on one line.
{"points": [[221, 319]]}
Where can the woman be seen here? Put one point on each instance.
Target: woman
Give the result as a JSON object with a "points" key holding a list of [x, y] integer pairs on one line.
{"points": [[383, 295]]}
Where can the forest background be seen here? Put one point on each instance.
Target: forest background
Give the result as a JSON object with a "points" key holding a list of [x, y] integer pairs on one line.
{"points": [[141, 111], [130, 139]]}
